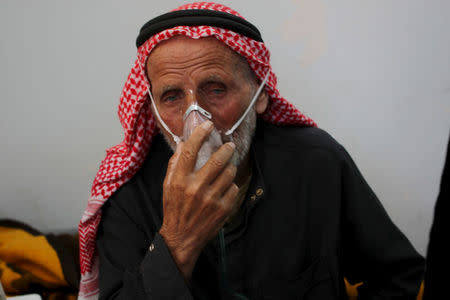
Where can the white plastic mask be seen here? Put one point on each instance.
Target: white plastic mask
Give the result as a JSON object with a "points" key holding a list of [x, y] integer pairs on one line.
{"points": [[194, 116]]}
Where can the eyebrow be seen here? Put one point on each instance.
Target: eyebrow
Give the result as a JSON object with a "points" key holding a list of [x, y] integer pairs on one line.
{"points": [[211, 78], [165, 89]]}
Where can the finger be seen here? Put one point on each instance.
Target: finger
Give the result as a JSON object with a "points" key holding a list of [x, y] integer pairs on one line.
{"points": [[173, 162], [216, 163], [236, 207], [223, 181], [229, 200], [188, 155]]}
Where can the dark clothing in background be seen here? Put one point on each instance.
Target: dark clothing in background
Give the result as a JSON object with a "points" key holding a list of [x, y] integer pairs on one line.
{"points": [[438, 260], [309, 220]]}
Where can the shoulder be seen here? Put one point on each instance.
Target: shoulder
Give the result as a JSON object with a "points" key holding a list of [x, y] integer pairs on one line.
{"points": [[298, 139]]}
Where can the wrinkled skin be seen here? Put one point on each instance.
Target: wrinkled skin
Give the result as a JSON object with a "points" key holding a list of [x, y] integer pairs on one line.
{"points": [[196, 204]]}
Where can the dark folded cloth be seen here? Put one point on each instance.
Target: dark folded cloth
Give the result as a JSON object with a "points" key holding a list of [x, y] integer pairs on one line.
{"points": [[33, 262]]}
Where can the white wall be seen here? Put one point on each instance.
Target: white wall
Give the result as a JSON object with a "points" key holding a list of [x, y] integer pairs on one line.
{"points": [[374, 73]]}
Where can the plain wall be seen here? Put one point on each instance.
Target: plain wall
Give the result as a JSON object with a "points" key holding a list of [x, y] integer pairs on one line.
{"points": [[373, 73]]}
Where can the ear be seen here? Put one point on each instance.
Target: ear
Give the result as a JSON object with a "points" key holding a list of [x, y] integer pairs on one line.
{"points": [[262, 102]]}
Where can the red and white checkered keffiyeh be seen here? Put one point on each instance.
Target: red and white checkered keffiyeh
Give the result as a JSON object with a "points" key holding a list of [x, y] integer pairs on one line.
{"points": [[123, 160]]}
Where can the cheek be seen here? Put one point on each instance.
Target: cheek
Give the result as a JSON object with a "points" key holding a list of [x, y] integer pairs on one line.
{"points": [[175, 124], [228, 114]]}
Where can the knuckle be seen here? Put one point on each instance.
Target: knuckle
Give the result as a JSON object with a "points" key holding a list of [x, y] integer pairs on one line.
{"points": [[217, 163], [233, 192], [199, 130], [178, 185], [231, 170], [226, 150], [229, 147], [230, 198], [208, 200], [188, 154], [210, 197], [225, 208], [196, 186], [202, 130], [192, 191]]}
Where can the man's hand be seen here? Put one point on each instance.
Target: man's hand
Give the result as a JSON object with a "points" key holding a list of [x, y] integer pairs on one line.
{"points": [[196, 204]]}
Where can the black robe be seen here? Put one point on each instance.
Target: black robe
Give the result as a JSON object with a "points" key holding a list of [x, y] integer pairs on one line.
{"points": [[309, 220]]}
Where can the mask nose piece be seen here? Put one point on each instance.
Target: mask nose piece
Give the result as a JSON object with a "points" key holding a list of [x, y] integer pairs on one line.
{"points": [[195, 107]]}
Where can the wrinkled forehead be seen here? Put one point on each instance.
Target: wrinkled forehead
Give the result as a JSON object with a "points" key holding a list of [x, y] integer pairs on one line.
{"points": [[183, 51]]}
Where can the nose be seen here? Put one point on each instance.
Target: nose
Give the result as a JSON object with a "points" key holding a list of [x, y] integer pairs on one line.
{"points": [[190, 99]]}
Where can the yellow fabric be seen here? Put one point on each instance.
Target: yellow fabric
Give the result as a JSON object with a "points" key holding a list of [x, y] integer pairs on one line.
{"points": [[26, 260], [352, 291]]}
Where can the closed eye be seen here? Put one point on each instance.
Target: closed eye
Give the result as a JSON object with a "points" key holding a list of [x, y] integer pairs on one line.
{"points": [[214, 90], [171, 96], [217, 91]]}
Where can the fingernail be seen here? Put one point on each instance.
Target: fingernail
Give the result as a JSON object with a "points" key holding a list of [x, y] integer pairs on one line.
{"points": [[232, 145], [207, 124]]}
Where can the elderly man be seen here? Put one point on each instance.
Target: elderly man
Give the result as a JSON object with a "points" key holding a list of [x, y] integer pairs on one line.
{"points": [[222, 189]]}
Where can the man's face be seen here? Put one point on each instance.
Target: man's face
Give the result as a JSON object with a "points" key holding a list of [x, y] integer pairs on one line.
{"points": [[183, 71]]}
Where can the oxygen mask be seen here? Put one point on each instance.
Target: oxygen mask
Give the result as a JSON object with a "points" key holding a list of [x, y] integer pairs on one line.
{"points": [[193, 117]]}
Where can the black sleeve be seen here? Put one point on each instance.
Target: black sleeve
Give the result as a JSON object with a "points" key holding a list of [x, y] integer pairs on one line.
{"points": [[438, 261], [376, 252], [132, 265]]}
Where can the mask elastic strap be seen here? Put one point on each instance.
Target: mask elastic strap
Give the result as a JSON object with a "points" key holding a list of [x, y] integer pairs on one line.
{"points": [[176, 139], [164, 125], [236, 125]]}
